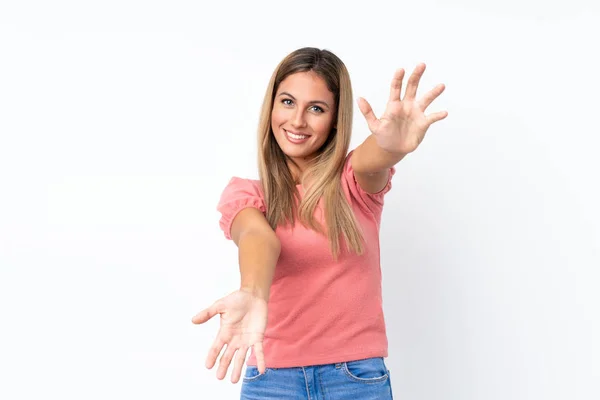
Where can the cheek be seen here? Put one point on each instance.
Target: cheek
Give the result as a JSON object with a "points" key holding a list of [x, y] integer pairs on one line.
{"points": [[323, 128], [277, 118]]}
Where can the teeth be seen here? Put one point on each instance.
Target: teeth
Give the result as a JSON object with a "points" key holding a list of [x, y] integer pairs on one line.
{"points": [[294, 136]]}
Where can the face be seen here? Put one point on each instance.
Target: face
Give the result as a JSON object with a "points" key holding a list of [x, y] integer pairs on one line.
{"points": [[303, 116]]}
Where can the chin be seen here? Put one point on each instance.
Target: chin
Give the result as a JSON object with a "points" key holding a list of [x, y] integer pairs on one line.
{"points": [[292, 150], [296, 153]]}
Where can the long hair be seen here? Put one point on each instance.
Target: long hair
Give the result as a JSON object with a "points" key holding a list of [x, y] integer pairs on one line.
{"points": [[324, 171]]}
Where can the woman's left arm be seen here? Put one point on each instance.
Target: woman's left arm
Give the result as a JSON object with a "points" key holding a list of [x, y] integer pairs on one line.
{"points": [[399, 131]]}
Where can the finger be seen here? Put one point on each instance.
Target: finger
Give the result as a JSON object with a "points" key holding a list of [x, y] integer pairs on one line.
{"points": [[367, 111], [225, 360], [413, 82], [240, 359], [396, 87], [437, 116], [214, 352], [430, 96], [205, 314], [260, 357]]}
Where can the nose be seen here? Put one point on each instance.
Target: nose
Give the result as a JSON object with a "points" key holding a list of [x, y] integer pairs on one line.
{"points": [[299, 120]]}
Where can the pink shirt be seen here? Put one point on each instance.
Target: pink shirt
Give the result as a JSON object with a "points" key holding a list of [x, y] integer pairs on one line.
{"points": [[320, 311]]}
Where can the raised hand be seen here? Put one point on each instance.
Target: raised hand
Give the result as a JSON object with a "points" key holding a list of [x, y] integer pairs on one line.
{"points": [[403, 125], [243, 324]]}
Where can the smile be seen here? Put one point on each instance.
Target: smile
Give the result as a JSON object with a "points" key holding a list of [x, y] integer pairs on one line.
{"points": [[295, 138]]}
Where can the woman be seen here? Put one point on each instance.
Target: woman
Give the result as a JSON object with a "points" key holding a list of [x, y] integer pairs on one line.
{"points": [[308, 236]]}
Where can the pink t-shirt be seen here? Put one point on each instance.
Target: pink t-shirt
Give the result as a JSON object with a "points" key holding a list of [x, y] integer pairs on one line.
{"points": [[321, 311]]}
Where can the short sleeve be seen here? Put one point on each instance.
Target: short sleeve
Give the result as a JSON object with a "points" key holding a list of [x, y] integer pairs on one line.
{"points": [[373, 201], [237, 195]]}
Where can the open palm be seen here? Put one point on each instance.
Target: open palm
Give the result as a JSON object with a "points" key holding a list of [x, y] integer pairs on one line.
{"points": [[403, 125], [243, 324]]}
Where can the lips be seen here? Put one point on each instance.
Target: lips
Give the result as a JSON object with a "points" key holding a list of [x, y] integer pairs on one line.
{"points": [[294, 137], [297, 133]]}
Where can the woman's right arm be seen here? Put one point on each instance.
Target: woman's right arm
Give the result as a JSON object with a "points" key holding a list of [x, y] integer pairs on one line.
{"points": [[258, 248], [244, 312]]}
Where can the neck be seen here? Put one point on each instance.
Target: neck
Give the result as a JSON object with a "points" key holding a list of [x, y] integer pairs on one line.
{"points": [[297, 167]]}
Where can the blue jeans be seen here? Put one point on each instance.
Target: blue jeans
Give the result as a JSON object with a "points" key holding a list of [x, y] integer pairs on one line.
{"points": [[356, 380]]}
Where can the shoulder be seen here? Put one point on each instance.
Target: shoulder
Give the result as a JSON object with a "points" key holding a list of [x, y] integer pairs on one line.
{"points": [[242, 187], [239, 193]]}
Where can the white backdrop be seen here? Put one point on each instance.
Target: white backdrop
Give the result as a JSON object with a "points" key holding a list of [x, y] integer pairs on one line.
{"points": [[122, 121]]}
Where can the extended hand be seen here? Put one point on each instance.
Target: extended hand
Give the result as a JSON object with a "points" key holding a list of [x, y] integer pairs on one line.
{"points": [[243, 324], [402, 126]]}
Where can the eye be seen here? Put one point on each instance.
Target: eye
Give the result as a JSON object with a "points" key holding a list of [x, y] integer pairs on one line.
{"points": [[318, 109], [287, 104]]}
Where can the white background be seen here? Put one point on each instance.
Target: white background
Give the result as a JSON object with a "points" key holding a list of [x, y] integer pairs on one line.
{"points": [[122, 121]]}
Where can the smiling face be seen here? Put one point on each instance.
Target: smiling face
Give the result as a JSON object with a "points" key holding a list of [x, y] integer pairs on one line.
{"points": [[302, 116]]}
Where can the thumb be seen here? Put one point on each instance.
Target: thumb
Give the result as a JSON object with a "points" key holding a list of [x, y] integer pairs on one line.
{"points": [[367, 111], [205, 314]]}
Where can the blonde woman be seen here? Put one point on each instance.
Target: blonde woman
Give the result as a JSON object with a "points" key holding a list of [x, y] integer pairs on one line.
{"points": [[308, 236]]}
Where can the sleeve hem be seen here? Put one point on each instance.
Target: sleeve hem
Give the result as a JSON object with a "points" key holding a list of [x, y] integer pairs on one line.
{"points": [[378, 195], [226, 225]]}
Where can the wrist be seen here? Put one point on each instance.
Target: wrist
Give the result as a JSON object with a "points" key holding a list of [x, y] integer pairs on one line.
{"points": [[255, 291]]}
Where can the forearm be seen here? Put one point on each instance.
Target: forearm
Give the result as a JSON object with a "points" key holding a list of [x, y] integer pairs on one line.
{"points": [[370, 158], [258, 254]]}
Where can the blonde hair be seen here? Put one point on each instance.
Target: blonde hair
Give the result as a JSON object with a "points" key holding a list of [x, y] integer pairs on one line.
{"points": [[324, 172]]}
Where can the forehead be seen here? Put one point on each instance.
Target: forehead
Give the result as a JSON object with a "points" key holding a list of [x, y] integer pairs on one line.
{"points": [[306, 85]]}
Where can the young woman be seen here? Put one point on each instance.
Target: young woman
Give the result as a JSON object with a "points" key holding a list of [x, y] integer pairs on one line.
{"points": [[308, 236]]}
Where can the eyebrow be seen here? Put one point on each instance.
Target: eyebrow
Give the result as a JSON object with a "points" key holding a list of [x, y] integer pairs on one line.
{"points": [[310, 102]]}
